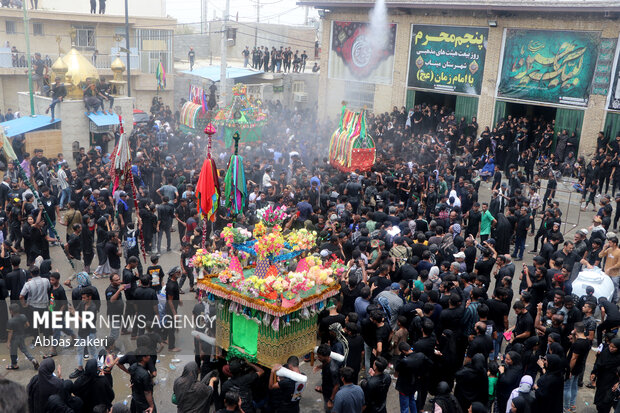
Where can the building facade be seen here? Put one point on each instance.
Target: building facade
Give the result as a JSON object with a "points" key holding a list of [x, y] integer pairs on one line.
{"points": [[484, 58], [151, 41]]}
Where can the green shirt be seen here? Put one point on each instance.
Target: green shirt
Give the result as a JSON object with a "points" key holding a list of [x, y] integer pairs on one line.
{"points": [[485, 224], [492, 384]]}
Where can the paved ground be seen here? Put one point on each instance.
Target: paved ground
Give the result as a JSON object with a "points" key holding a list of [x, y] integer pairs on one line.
{"points": [[311, 401]]}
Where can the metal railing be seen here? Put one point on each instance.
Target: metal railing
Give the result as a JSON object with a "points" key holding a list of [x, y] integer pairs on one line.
{"points": [[17, 59]]}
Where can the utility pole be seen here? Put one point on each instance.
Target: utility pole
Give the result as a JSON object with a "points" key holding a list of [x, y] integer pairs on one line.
{"points": [[225, 96], [257, 22], [29, 60], [127, 47], [203, 16], [306, 15]]}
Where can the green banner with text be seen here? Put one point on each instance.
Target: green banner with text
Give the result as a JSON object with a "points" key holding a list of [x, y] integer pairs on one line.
{"points": [[549, 66], [448, 58]]}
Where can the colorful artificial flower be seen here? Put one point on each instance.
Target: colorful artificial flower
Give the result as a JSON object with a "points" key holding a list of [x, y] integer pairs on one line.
{"points": [[302, 239]]}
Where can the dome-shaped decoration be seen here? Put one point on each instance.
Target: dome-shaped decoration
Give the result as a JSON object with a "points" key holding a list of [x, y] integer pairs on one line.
{"points": [[79, 70], [118, 67], [118, 64], [59, 69]]}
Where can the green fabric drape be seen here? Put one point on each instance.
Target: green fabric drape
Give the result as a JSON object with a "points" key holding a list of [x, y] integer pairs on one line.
{"points": [[247, 135], [500, 111], [466, 106], [244, 334], [569, 119], [612, 125], [410, 99]]}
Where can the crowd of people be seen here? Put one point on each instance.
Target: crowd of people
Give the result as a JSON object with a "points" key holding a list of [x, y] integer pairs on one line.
{"points": [[432, 288], [281, 60]]}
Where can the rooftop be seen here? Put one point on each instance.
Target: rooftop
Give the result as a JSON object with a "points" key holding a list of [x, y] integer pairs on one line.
{"points": [[491, 5]]}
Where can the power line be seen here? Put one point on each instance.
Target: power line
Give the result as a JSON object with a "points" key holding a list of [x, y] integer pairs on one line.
{"points": [[308, 45]]}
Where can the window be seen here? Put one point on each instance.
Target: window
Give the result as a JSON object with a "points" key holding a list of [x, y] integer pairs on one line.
{"points": [[37, 29], [10, 27], [359, 95], [85, 37], [299, 86], [155, 46]]}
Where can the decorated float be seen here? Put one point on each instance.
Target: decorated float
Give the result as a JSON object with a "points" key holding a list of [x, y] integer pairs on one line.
{"points": [[268, 289], [242, 115], [193, 118], [351, 147]]}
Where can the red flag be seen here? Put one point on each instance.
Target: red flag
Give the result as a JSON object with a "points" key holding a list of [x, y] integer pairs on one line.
{"points": [[208, 190]]}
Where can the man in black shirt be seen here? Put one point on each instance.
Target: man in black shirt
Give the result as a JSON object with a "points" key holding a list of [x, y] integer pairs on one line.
{"points": [[59, 92], [60, 304], [141, 384], [73, 247], [130, 286], [182, 213], [284, 395], [114, 299], [376, 387], [172, 303], [146, 302], [40, 71], [113, 251], [16, 279], [191, 55], [103, 92], [50, 204], [165, 213], [524, 327]]}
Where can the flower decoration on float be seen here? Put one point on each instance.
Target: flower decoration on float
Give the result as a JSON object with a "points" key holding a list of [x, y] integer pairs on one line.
{"points": [[235, 235], [302, 239], [204, 259], [271, 216]]}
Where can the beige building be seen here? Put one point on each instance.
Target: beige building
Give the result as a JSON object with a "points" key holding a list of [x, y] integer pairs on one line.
{"points": [[151, 41], [484, 58]]}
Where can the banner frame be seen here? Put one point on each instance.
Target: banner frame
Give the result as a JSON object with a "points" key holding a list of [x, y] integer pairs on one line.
{"points": [[614, 69], [535, 102], [329, 52], [433, 90]]}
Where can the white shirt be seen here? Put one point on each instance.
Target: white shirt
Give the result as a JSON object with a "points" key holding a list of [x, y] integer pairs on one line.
{"points": [[36, 289], [266, 181], [62, 179]]}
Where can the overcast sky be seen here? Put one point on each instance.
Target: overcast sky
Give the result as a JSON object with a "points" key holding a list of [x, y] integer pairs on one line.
{"points": [[272, 11]]}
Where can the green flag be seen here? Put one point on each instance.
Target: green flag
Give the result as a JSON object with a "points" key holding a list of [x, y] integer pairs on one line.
{"points": [[7, 147]]}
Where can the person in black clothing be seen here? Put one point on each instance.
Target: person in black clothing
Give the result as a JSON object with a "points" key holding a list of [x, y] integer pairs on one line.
{"points": [[181, 214], [356, 346], [376, 387], [103, 88], [610, 316], [472, 382], [129, 280], [172, 303], [146, 301], [59, 92], [115, 305], [16, 279], [191, 55], [141, 384], [409, 370], [73, 247], [113, 252], [244, 375], [165, 213], [284, 396], [524, 326]]}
